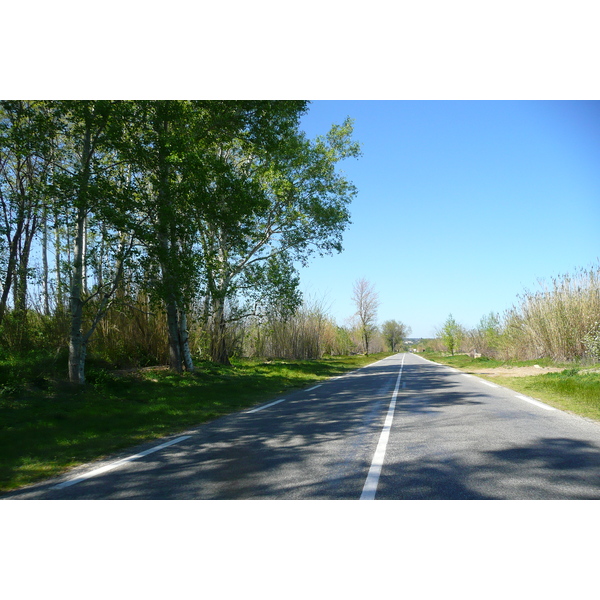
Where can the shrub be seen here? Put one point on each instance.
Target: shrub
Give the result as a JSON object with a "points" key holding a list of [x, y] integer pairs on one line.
{"points": [[591, 341]]}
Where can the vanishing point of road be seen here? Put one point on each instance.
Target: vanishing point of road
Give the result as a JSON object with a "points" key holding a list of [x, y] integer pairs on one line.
{"points": [[401, 428]]}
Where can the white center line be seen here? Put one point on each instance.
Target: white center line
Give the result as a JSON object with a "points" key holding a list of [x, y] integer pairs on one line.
{"points": [[118, 463], [370, 487]]}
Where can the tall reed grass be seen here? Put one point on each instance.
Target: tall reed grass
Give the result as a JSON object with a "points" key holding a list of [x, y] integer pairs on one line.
{"points": [[308, 333], [554, 321]]}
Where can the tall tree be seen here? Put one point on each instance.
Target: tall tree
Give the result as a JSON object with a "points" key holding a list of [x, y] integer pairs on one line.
{"points": [[25, 131], [394, 332], [296, 205], [89, 182], [366, 300], [178, 156]]}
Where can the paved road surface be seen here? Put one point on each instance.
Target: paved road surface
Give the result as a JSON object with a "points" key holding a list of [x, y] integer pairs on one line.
{"points": [[402, 428]]}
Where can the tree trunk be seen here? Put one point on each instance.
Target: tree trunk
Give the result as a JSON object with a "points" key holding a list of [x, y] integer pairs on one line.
{"points": [[173, 329], [21, 287], [218, 345], [184, 342], [168, 243], [45, 261], [77, 348], [10, 269], [60, 305]]}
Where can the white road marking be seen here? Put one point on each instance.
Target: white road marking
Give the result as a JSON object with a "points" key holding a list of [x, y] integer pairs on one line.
{"points": [[535, 402], [314, 388], [265, 406], [488, 383], [118, 463], [370, 487]]}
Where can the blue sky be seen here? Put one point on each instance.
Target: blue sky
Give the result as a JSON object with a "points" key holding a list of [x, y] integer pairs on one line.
{"points": [[462, 205]]}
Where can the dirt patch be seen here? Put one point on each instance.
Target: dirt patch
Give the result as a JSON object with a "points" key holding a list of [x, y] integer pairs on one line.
{"points": [[515, 371], [136, 371]]}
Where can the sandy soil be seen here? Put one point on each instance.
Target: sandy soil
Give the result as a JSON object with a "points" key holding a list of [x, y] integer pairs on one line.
{"points": [[515, 371]]}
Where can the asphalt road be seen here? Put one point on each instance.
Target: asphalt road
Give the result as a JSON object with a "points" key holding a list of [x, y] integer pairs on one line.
{"points": [[402, 428]]}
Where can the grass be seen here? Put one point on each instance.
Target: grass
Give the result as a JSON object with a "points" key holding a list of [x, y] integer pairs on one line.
{"points": [[48, 426], [575, 389], [571, 390], [464, 361]]}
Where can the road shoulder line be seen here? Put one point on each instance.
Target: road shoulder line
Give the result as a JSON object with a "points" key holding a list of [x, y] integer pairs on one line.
{"points": [[117, 463]]}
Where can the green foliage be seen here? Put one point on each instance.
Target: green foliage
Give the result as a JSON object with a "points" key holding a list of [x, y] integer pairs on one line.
{"points": [[180, 202], [559, 322], [451, 334], [394, 333]]}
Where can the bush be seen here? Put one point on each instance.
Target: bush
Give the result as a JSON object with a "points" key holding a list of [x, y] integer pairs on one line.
{"points": [[591, 342]]}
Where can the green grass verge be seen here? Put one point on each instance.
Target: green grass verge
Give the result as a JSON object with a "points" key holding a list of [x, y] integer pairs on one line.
{"points": [[578, 393], [575, 389], [47, 426], [464, 361]]}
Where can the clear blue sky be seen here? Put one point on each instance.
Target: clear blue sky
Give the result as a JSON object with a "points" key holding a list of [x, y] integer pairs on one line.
{"points": [[462, 205]]}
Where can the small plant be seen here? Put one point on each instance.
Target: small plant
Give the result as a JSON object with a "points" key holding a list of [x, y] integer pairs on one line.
{"points": [[591, 341], [9, 390], [570, 372]]}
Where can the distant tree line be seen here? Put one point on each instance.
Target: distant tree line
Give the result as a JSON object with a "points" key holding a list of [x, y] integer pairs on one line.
{"points": [[163, 229]]}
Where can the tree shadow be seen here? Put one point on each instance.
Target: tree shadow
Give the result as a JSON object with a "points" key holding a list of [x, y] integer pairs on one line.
{"points": [[546, 469], [319, 445], [316, 444]]}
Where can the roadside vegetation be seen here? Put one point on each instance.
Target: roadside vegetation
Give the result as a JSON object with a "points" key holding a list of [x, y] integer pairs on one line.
{"points": [[556, 326], [50, 425], [148, 269], [574, 387], [131, 227], [559, 321]]}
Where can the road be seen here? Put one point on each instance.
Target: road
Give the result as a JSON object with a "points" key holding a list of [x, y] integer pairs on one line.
{"points": [[401, 428]]}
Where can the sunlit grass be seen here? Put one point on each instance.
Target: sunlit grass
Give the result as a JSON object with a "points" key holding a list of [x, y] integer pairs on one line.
{"points": [[48, 429], [464, 361]]}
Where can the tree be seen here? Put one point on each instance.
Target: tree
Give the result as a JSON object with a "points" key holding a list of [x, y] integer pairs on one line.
{"points": [[280, 203], [200, 203], [451, 334], [88, 181], [366, 300], [198, 163], [394, 332], [487, 335], [25, 131], [162, 139]]}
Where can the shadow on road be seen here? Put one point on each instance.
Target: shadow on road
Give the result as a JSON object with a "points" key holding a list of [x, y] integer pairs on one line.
{"points": [[319, 445]]}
